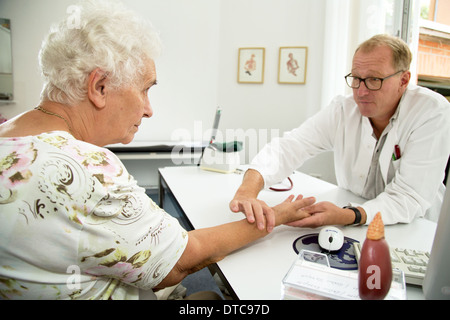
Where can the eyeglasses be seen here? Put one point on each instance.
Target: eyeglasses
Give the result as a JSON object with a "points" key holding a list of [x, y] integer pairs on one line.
{"points": [[371, 83]]}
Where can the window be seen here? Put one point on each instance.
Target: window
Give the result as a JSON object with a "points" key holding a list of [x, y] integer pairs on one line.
{"points": [[433, 63]]}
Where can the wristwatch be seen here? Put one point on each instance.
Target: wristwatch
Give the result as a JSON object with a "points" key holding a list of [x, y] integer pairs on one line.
{"points": [[357, 215]]}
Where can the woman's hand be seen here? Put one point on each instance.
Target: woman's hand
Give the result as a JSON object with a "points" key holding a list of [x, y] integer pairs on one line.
{"points": [[291, 211], [288, 211]]}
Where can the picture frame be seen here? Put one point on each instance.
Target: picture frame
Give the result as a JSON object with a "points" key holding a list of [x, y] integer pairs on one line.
{"points": [[251, 63], [292, 64]]}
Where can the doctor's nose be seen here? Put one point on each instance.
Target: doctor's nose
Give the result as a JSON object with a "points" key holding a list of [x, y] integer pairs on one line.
{"points": [[362, 90]]}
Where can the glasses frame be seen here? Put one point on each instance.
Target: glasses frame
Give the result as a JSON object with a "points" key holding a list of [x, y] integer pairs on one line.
{"points": [[364, 80]]}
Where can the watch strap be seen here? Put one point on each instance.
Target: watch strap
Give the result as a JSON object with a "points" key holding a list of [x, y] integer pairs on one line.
{"points": [[357, 215]]}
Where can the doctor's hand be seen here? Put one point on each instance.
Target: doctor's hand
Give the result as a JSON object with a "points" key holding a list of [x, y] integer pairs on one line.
{"points": [[268, 217], [255, 211], [323, 214]]}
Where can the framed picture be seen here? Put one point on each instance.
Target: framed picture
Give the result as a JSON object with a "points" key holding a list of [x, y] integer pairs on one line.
{"points": [[292, 65], [251, 65]]}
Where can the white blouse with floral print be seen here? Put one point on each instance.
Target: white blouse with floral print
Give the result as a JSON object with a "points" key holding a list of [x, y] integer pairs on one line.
{"points": [[75, 225]]}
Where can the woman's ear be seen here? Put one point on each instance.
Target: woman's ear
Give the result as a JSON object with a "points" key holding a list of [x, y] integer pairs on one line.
{"points": [[96, 88]]}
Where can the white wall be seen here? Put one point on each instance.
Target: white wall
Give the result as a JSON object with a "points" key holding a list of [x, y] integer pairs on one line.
{"points": [[269, 24], [30, 20]]}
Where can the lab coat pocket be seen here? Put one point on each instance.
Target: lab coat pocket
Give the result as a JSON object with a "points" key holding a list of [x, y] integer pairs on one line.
{"points": [[396, 164], [393, 168]]}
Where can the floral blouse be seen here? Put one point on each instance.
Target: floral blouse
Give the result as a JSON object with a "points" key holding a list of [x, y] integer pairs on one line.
{"points": [[75, 225]]}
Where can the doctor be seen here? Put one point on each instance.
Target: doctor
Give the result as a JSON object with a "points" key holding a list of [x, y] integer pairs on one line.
{"points": [[391, 143]]}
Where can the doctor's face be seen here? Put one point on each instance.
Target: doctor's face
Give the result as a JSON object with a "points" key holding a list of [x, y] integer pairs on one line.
{"points": [[378, 105]]}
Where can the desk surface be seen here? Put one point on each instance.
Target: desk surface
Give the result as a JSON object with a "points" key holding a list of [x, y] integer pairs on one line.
{"points": [[256, 271]]}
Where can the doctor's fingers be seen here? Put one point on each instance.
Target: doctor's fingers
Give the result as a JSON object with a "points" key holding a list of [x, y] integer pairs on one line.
{"points": [[310, 221], [256, 211]]}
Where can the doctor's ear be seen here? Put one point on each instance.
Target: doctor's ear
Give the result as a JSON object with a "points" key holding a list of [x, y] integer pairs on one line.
{"points": [[406, 76], [97, 83]]}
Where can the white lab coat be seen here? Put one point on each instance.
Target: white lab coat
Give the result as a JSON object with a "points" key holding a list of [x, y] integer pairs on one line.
{"points": [[422, 131]]}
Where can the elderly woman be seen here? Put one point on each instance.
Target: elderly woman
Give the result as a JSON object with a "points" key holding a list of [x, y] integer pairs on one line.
{"points": [[74, 223]]}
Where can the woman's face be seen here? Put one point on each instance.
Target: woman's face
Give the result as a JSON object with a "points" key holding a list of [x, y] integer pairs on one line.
{"points": [[128, 105]]}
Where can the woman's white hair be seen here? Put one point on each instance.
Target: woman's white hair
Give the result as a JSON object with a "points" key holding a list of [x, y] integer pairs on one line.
{"points": [[98, 34]]}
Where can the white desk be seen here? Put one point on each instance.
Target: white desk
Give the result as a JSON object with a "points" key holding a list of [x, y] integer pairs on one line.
{"points": [[256, 271]]}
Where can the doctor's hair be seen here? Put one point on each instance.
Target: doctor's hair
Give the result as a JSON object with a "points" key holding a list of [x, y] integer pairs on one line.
{"points": [[107, 36], [401, 54]]}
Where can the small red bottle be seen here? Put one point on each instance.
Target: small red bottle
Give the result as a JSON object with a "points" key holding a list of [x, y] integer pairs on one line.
{"points": [[375, 268]]}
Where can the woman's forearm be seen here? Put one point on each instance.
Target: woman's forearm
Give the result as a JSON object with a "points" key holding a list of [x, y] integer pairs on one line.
{"points": [[210, 245]]}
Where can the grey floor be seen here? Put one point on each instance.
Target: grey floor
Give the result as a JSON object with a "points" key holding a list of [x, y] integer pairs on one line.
{"points": [[201, 280]]}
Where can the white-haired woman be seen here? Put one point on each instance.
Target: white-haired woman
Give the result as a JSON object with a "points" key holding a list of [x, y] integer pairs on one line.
{"points": [[75, 225]]}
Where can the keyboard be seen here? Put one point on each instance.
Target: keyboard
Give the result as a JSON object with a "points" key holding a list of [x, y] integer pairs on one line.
{"points": [[413, 263]]}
